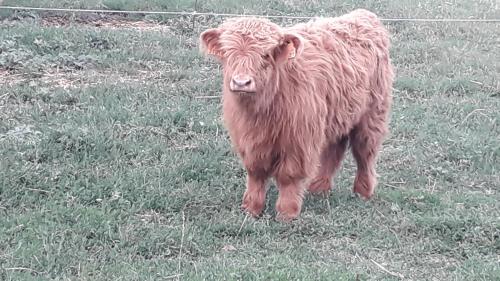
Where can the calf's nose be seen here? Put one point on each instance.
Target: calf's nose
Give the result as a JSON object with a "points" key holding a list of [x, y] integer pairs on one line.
{"points": [[242, 80], [242, 83]]}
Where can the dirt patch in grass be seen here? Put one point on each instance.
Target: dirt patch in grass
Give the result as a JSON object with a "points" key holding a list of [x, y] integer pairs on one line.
{"points": [[9, 79], [108, 21], [71, 80]]}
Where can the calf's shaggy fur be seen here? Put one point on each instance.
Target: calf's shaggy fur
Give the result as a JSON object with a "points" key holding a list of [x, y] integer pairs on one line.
{"points": [[294, 97]]}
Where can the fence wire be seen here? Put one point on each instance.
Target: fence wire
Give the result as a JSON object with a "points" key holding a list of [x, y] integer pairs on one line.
{"points": [[194, 14]]}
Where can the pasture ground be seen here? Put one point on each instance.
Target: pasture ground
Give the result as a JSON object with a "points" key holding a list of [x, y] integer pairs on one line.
{"points": [[114, 166]]}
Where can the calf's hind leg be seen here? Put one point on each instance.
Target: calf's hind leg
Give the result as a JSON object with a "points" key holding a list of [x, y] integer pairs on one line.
{"points": [[366, 140], [331, 158]]}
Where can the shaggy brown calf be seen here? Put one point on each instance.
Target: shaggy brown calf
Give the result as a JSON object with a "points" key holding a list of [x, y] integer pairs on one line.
{"points": [[294, 97]]}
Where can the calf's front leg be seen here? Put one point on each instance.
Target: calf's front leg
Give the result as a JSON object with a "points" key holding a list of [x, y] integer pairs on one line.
{"points": [[291, 193], [254, 198]]}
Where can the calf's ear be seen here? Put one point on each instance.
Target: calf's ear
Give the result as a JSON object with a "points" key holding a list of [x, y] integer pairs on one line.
{"points": [[291, 47], [209, 42]]}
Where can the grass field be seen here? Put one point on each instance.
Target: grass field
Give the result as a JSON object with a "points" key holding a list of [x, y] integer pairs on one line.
{"points": [[114, 166]]}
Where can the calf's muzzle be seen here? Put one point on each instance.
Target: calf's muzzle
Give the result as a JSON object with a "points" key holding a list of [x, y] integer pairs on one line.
{"points": [[242, 83]]}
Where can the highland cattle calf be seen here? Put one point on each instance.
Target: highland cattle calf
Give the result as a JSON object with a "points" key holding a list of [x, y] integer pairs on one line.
{"points": [[294, 97]]}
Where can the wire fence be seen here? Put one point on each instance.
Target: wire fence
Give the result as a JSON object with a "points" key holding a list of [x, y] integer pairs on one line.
{"points": [[195, 14]]}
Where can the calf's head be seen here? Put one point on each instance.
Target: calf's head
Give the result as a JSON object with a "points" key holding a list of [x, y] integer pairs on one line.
{"points": [[251, 50]]}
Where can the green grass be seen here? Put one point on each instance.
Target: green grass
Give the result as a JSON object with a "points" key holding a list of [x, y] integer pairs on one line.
{"points": [[113, 168]]}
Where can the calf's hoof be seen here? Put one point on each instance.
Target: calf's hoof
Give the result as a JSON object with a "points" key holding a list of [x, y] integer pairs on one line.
{"points": [[364, 185], [364, 191], [252, 205], [287, 211], [320, 186]]}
